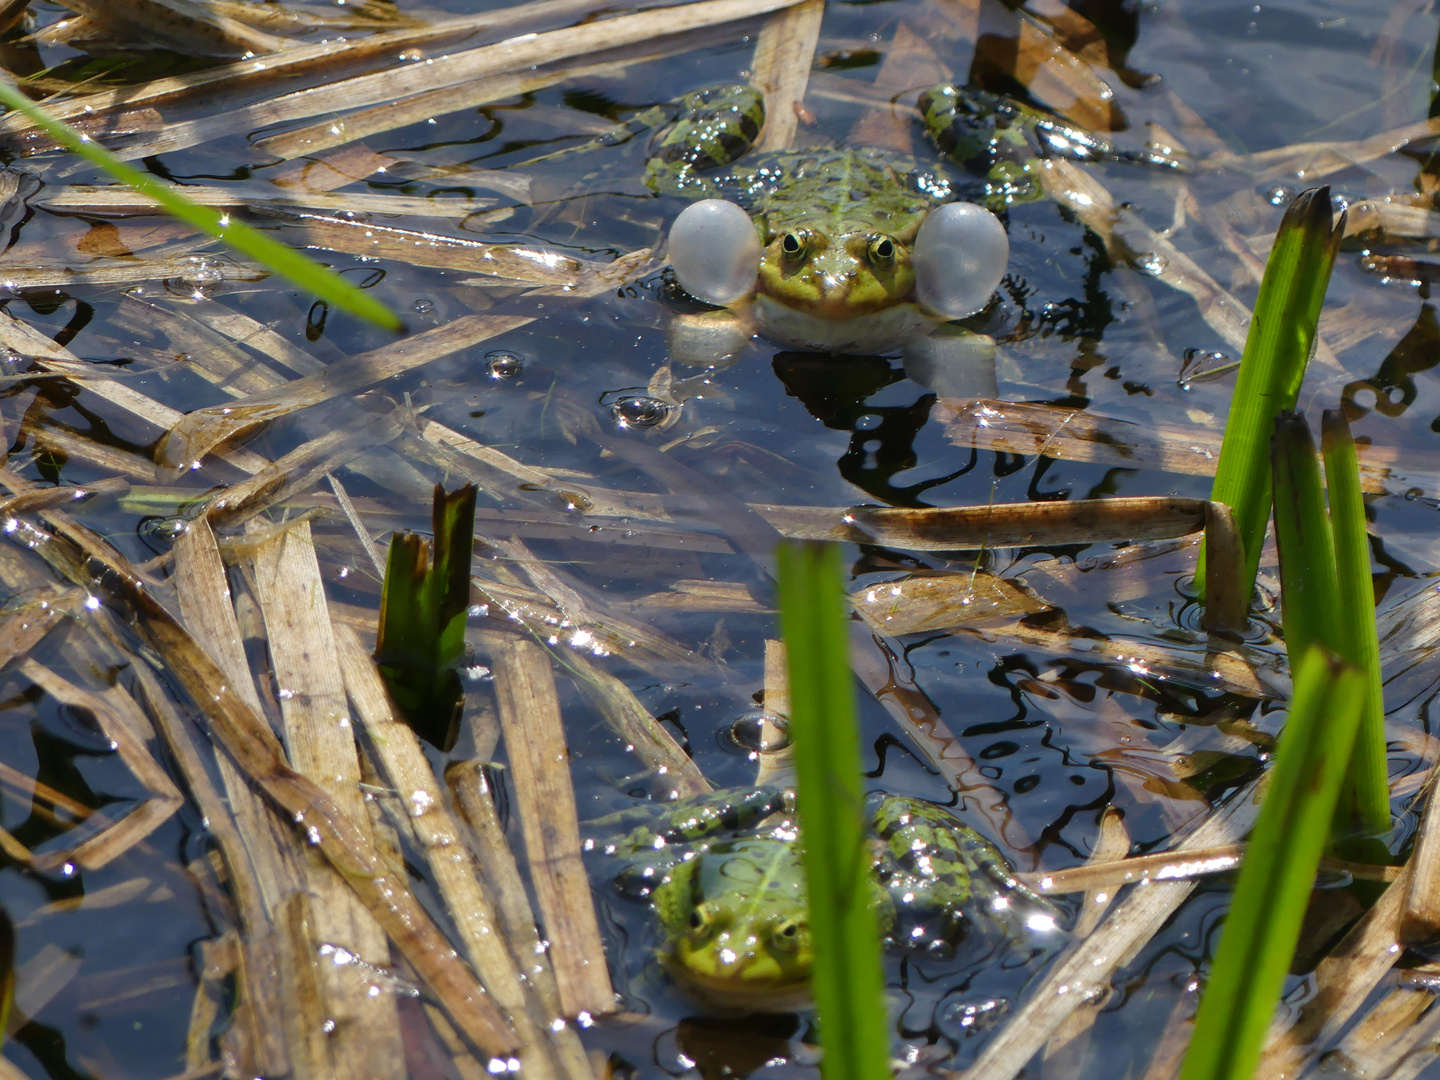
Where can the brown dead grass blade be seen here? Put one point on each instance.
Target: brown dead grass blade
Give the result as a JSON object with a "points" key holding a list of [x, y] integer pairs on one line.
{"points": [[75, 551], [539, 763]]}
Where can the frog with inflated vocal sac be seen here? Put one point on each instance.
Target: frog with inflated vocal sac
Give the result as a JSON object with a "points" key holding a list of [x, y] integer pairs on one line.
{"points": [[849, 250]]}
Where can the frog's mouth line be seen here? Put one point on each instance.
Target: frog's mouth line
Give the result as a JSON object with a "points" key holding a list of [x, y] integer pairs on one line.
{"points": [[877, 332]]}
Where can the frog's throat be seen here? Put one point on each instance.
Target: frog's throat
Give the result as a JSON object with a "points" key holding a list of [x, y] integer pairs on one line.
{"points": [[881, 331], [725, 993]]}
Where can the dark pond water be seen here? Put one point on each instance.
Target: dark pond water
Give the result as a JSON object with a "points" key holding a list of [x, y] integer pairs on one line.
{"points": [[1059, 735]]}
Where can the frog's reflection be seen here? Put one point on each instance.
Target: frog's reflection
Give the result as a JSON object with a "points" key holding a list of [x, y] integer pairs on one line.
{"points": [[731, 1048], [836, 391]]}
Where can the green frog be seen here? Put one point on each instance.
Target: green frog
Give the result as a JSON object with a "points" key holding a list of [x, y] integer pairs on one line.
{"points": [[725, 878], [850, 250]]}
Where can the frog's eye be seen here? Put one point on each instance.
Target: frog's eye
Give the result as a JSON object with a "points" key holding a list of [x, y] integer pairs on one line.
{"points": [[715, 251], [786, 935], [959, 257], [881, 251], [702, 918], [793, 245]]}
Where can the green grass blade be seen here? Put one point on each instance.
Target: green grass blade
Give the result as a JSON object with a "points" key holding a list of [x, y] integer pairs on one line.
{"points": [[1282, 335], [1367, 795], [273, 255], [423, 605], [1309, 599], [848, 978], [1263, 926]]}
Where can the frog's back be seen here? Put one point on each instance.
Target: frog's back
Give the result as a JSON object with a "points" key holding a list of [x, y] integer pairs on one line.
{"points": [[837, 191]]}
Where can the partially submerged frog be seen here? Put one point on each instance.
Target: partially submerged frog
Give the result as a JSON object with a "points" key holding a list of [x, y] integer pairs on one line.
{"points": [[849, 250], [724, 875]]}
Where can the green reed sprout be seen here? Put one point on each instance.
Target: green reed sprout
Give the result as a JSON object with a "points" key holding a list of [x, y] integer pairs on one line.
{"points": [[848, 978], [1278, 872], [1277, 349], [422, 618]]}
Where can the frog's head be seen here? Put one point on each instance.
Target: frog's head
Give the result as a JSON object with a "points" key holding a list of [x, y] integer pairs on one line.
{"points": [[737, 927], [837, 286]]}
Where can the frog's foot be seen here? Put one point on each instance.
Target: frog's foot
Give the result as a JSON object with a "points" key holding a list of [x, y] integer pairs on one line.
{"points": [[954, 363], [709, 338], [998, 137]]}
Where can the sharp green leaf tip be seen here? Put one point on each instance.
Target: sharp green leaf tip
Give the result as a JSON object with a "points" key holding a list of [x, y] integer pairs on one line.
{"points": [[275, 256]]}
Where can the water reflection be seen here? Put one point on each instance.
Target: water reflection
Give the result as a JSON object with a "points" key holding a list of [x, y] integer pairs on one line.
{"points": [[837, 391]]}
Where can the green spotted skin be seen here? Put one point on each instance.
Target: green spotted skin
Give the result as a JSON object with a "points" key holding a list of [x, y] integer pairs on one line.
{"points": [[725, 877]]}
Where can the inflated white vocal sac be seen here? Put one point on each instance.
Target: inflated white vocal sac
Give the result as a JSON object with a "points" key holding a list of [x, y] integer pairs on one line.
{"points": [[959, 257], [715, 251]]}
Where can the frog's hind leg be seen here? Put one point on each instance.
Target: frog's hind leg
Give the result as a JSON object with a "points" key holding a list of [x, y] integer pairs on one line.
{"points": [[999, 137], [715, 126], [646, 120], [946, 880]]}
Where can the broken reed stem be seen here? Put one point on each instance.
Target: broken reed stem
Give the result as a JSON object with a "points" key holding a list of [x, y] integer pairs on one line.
{"points": [[1227, 605]]}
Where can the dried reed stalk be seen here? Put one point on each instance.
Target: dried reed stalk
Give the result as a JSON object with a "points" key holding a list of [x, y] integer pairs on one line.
{"points": [[1085, 969], [539, 763], [543, 1054], [321, 745]]}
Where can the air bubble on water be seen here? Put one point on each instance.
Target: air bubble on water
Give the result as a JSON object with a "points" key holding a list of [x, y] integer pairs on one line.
{"points": [[198, 279], [1151, 262], [423, 306], [164, 530], [420, 802], [639, 411], [1279, 195], [504, 365], [11, 356], [1202, 365], [759, 732]]}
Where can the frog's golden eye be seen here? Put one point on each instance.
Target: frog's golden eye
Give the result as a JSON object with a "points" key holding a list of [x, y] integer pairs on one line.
{"points": [[786, 935], [881, 251], [702, 920], [793, 244]]}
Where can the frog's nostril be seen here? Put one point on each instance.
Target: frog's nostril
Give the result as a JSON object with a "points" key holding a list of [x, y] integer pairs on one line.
{"points": [[715, 251], [959, 257]]}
